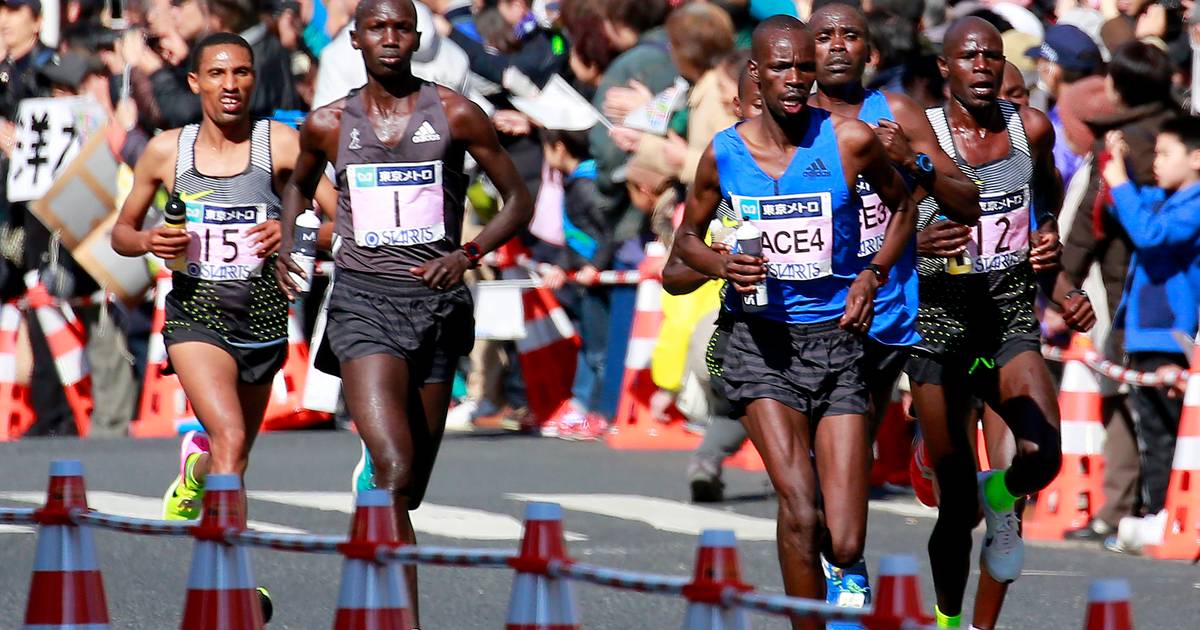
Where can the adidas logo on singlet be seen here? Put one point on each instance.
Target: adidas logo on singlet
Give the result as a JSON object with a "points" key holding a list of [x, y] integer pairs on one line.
{"points": [[816, 168], [425, 133]]}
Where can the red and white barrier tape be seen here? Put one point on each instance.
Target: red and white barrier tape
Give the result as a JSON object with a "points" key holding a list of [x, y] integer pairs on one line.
{"points": [[17, 516], [132, 525], [1119, 373], [616, 578]]}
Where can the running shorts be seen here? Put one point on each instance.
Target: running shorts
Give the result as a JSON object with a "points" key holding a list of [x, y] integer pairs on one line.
{"points": [[256, 365], [815, 369], [431, 330]]}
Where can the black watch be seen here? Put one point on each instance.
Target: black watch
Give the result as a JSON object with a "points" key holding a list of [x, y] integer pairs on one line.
{"points": [[923, 167], [474, 253], [881, 274]]}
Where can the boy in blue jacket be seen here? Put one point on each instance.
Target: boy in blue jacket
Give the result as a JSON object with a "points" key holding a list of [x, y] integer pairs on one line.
{"points": [[1159, 306]]}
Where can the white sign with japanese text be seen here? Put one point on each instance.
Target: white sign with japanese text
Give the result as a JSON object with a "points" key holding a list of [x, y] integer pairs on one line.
{"points": [[50, 132]]}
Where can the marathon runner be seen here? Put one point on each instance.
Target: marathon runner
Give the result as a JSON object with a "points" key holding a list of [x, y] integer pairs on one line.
{"points": [[842, 51], [226, 320], [791, 172], [980, 337], [400, 317]]}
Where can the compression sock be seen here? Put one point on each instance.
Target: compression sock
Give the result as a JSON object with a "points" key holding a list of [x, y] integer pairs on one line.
{"points": [[997, 494], [947, 621], [189, 468]]}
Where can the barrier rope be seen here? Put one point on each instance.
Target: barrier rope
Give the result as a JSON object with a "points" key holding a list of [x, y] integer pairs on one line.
{"points": [[784, 605], [17, 516], [1119, 373], [132, 525], [616, 578]]}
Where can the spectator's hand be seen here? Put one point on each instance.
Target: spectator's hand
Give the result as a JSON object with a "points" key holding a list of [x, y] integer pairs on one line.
{"points": [[744, 271], [891, 135], [1077, 312], [619, 101], [174, 49], [553, 277], [167, 243], [8, 137], [675, 152], [265, 238], [443, 272], [137, 54], [860, 303], [1115, 172], [943, 239], [289, 27], [587, 275], [1047, 250], [660, 404], [1152, 23], [626, 139], [512, 122], [442, 25], [126, 114]]}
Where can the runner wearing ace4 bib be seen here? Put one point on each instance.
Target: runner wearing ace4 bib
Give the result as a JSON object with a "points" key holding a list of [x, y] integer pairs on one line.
{"points": [[980, 336], [399, 315], [794, 368]]}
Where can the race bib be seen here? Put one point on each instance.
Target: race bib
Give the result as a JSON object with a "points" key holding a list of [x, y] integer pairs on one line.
{"points": [[1001, 238], [396, 205], [797, 233], [220, 248], [872, 220]]}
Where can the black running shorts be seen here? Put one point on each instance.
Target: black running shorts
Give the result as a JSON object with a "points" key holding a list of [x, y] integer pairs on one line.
{"points": [[431, 330], [815, 369], [256, 365]]}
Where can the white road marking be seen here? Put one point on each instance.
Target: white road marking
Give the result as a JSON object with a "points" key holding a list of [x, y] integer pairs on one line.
{"points": [[439, 520], [16, 529], [135, 506], [901, 508], [661, 514]]}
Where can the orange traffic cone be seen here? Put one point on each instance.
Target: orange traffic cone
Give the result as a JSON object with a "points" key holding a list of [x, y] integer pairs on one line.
{"points": [[1181, 534], [635, 427], [165, 410], [16, 411], [717, 569], [221, 592], [67, 590], [538, 601], [1078, 492], [286, 408], [1108, 606], [747, 458], [893, 446], [547, 354], [897, 595], [65, 337], [373, 594]]}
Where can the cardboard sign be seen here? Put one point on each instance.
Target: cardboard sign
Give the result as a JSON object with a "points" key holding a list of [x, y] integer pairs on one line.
{"points": [[50, 132], [128, 278], [83, 195]]}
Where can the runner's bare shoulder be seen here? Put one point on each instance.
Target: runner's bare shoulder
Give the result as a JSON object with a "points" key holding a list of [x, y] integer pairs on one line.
{"points": [[1037, 125], [322, 126], [854, 135]]}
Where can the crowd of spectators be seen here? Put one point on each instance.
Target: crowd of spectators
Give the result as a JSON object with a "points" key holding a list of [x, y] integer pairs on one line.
{"points": [[1094, 66]]}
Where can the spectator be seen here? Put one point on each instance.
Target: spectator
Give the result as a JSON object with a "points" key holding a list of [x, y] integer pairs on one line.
{"points": [[894, 39], [591, 52], [20, 22], [1066, 56], [536, 52], [1159, 305]]}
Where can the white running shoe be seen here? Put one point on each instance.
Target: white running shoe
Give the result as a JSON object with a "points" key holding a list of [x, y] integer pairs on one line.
{"points": [[458, 419], [1003, 551]]}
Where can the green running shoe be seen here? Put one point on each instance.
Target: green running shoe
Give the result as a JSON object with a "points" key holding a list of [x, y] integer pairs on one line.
{"points": [[182, 503], [268, 607]]}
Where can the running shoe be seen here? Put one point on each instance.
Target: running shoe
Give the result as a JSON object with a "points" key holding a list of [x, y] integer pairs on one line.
{"points": [[570, 422], [921, 476], [704, 477], [593, 428], [268, 606], [460, 418], [364, 471], [846, 588], [1003, 551], [184, 498]]}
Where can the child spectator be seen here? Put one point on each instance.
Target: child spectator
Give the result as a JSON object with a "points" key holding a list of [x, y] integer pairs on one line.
{"points": [[1159, 306], [589, 248]]}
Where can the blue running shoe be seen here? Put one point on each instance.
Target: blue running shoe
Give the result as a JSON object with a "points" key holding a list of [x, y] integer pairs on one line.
{"points": [[847, 588], [364, 471]]}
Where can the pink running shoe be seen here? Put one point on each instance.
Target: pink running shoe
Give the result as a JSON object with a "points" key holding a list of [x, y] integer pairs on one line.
{"points": [[921, 475], [193, 442], [594, 427]]}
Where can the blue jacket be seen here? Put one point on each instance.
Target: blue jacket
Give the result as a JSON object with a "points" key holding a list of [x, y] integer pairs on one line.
{"points": [[1163, 285]]}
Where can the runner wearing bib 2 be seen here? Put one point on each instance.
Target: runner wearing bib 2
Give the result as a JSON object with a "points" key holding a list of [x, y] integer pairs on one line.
{"points": [[226, 320], [842, 51], [796, 365], [979, 333], [399, 316]]}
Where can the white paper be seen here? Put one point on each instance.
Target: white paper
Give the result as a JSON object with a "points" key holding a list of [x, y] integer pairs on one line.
{"points": [[50, 132], [559, 106]]}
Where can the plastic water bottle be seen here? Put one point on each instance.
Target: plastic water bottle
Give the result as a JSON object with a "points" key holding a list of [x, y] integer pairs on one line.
{"points": [[962, 263], [304, 248], [749, 239], [175, 216]]}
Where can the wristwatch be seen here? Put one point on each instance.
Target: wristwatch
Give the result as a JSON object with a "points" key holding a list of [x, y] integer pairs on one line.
{"points": [[881, 274], [923, 167], [474, 253]]}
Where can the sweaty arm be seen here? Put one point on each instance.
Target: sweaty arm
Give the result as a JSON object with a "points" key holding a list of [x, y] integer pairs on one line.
{"points": [[152, 171], [957, 196], [741, 270], [872, 163], [1045, 244], [317, 146]]}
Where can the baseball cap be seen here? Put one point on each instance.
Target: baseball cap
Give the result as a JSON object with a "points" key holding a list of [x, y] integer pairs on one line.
{"points": [[34, 5], [1068, 47], [69, 69]]}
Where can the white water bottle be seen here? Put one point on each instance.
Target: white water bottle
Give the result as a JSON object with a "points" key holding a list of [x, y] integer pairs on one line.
{"points": [[749, 240], [304, 248]]}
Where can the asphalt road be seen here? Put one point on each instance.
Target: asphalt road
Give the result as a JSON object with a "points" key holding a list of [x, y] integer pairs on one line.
{"points": [[624, 509]]}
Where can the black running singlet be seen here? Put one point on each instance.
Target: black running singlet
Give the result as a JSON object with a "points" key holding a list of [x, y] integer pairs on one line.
{"points": [[398, 206], [225, 286], [986, 297]]}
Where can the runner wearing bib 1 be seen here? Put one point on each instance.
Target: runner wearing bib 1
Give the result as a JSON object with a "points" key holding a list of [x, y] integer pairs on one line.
{"points": [[226, 295]]}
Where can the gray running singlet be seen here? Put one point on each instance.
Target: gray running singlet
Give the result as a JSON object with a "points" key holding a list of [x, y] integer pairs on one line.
{"points": [[226, 287], [398, 206]]}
